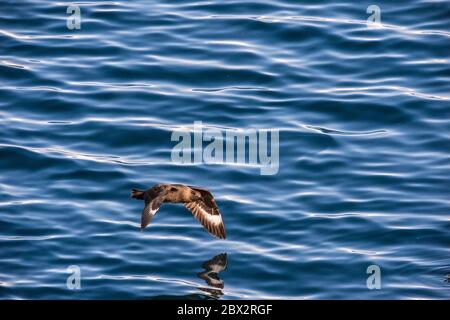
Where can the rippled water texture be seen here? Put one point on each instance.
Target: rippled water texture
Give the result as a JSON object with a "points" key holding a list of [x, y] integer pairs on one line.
{"points": [[364, 123]]}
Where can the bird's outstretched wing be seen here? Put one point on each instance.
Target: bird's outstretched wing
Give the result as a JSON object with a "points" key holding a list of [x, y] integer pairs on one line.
{"points": [[151, 207], [207, 212]]}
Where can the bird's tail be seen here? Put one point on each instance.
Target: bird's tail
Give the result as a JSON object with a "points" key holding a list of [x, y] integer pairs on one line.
{"points": [[137, 194]]}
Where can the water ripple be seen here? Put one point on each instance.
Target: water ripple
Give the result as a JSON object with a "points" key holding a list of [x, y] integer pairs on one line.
{"points": [[363, 119]]}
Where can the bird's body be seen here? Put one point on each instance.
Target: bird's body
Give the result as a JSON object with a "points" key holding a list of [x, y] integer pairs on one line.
{"points": [[197, 200]]}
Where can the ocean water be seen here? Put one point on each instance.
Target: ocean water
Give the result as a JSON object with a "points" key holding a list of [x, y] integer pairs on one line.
{"points": [[363, 115]]}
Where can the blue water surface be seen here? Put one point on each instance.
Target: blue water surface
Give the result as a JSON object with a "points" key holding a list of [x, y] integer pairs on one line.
{"points": [[364, 141]]}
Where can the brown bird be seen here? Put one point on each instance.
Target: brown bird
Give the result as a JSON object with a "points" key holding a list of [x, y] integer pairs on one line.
{"points": [[197, 200]]}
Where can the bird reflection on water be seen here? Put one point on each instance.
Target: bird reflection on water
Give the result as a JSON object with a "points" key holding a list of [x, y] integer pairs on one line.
{"points": [[210, 275]]}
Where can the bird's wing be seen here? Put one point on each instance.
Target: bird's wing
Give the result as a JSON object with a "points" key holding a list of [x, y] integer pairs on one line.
{"points": [[150, 209], [207, 212]]}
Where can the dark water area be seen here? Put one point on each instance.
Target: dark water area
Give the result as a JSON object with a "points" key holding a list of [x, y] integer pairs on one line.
{"points": [[364, 141]]}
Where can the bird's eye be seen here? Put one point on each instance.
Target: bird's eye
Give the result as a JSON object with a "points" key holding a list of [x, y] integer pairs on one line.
{"points": [[173, 189]]}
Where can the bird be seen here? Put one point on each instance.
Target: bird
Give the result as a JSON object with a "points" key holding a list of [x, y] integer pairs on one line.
{"points": [[199, 201]]}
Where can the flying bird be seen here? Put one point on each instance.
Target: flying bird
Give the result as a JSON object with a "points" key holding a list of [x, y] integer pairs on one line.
{"points": [[197, 200]]}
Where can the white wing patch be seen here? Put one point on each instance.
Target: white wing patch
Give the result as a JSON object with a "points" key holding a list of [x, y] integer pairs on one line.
{"points": [[147, 215], [212, 222], [214, 219]]}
